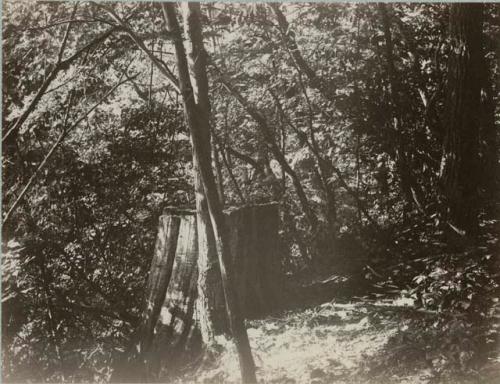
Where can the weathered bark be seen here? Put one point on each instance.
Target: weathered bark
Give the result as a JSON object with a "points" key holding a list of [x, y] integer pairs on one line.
{"points": [[159, 277], [459, 165], [138, 363], [254, 246], [199, 127], [176, 334], [171, 320], [210, 308]]}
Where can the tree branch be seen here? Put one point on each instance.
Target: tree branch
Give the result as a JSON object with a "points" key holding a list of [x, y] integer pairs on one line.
{"points": [[271, 144], [60, 66], [162, 67], [59, 140], [66, 35], [325, 88], [245, 158]]}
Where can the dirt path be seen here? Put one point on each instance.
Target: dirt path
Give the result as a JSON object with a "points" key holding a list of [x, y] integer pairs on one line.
{"points": [[330, 343]]}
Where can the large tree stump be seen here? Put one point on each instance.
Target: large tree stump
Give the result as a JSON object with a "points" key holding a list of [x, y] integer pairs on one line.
{"points": [[159, 276], [175, 329], [170, 322], [254, 246]]}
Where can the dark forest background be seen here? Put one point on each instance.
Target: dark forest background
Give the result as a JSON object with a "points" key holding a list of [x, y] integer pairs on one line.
{"points": [[374, 126]]}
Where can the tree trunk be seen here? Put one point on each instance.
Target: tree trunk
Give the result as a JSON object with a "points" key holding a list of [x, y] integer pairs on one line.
{"points": [[210, 310], [195, 114], [459, 165]]}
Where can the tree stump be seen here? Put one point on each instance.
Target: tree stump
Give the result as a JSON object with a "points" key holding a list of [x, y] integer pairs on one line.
{"points": [[170, 322]]}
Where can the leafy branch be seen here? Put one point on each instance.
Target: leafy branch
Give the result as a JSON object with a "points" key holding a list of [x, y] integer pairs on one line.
{"points": [[59, 140]]}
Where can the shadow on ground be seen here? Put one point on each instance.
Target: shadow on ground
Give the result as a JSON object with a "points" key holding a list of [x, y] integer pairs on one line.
{"points": [[350, 342]]}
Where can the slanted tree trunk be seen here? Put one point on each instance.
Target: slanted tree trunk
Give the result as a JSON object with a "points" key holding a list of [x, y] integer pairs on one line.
{"points": [[326, 88], [195, 114], [210, 309], [459, 165], [270, 141]]}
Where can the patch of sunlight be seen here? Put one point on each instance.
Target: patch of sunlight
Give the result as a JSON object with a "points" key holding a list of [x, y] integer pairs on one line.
{"points": [[165, 316], [297, 348]]}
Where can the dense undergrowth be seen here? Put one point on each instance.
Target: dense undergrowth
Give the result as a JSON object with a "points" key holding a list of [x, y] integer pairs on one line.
{"points": [[347, 129]]}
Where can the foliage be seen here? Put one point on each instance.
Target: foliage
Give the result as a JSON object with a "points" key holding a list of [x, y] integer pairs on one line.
{"points": [[77, 246]]}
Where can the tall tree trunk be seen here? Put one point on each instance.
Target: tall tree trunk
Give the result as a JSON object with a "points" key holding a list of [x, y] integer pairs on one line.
{"points": [[196, 113], [459, 165], [211, 317]]}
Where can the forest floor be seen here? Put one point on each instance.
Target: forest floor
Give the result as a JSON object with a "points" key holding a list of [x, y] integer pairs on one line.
{"points": [[346, 342]]}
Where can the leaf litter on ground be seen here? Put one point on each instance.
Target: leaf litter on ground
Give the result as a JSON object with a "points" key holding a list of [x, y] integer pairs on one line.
{"points": [[335, 342]]}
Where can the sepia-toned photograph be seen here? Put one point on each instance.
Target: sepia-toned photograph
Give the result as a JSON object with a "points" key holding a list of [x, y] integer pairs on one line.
{"points": [[242, 192]]}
